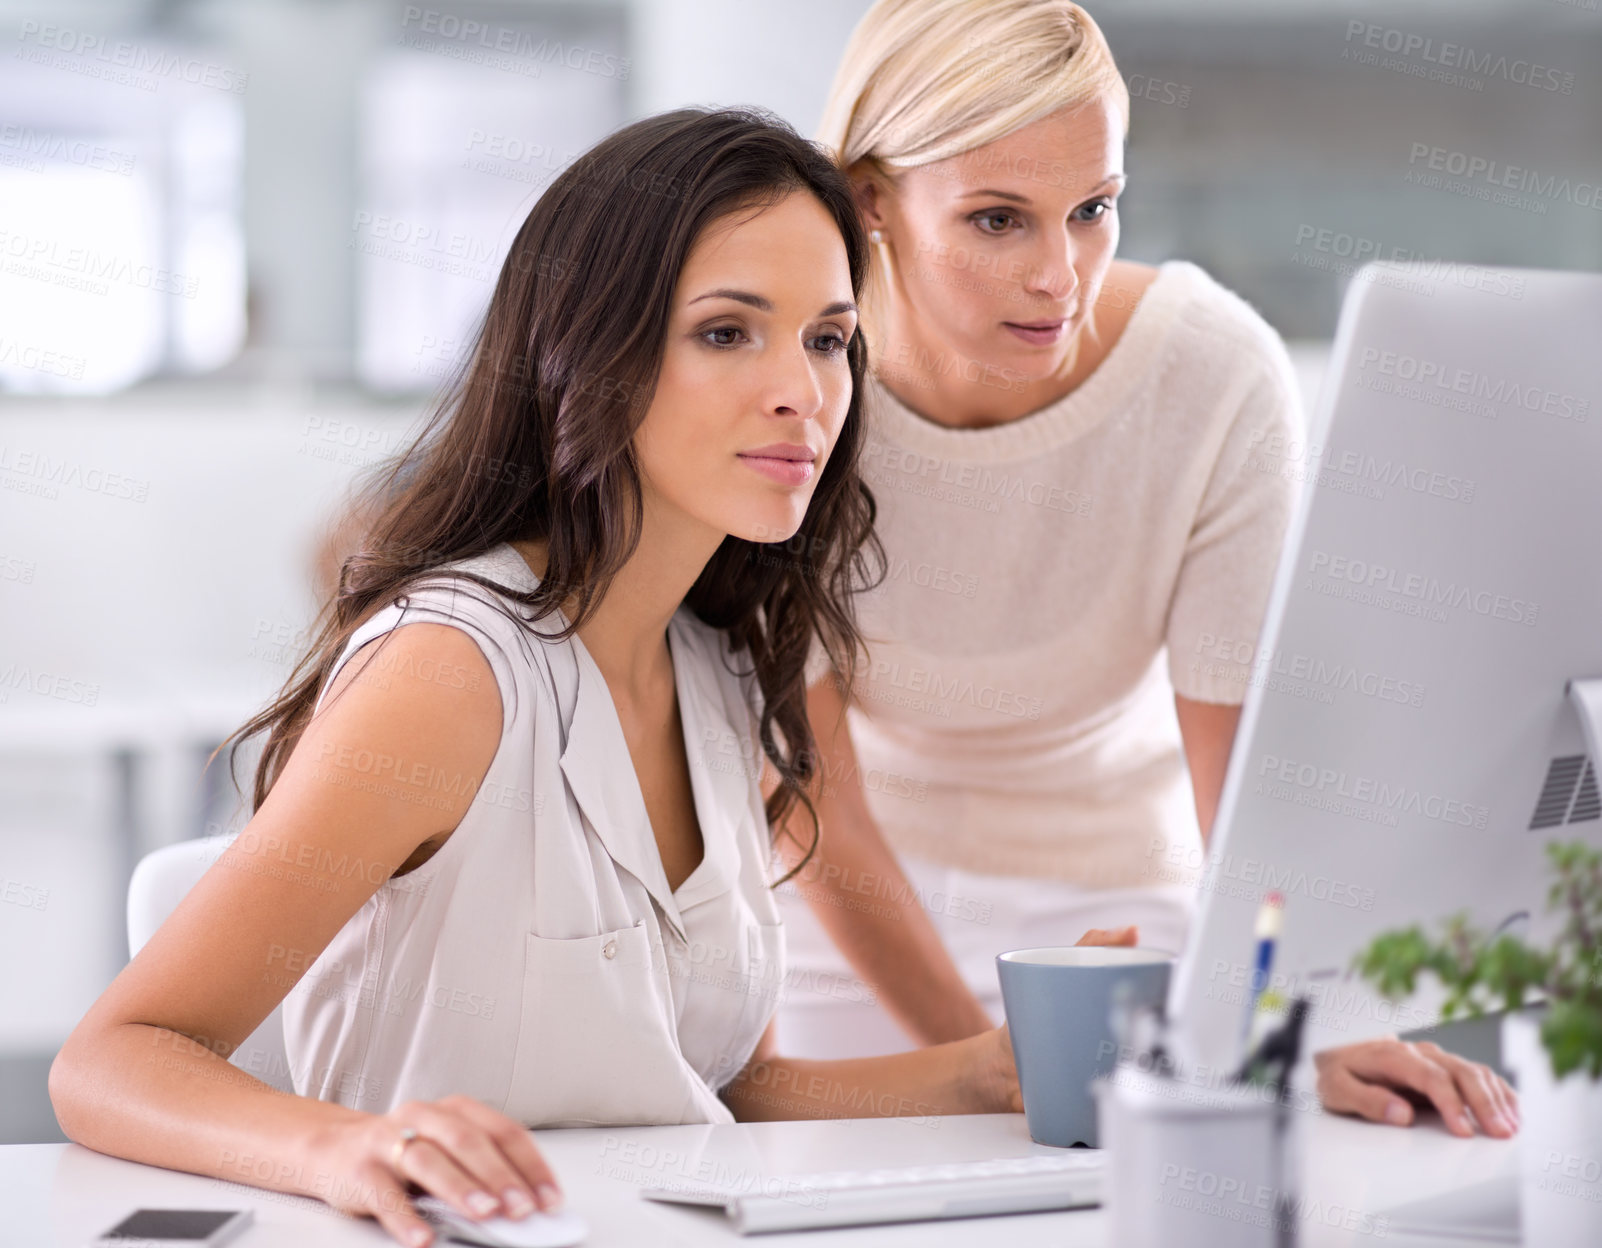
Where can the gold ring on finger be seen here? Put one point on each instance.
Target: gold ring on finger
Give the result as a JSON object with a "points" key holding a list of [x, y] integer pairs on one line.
{"points": [[407, 1136]]}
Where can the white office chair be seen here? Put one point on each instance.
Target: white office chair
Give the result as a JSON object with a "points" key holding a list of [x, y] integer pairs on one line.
{"points": [[159, 883]]}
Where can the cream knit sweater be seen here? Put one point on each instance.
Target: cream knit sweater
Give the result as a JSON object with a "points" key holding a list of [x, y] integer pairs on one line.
{"points": [[1014, 714]]}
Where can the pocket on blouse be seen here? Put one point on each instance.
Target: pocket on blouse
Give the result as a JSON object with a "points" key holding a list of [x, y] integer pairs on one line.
{"points": [[596, 1044]]}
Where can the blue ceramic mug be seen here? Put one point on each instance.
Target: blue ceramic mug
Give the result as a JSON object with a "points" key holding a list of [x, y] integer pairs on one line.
{"points": [[1059, 1002]]}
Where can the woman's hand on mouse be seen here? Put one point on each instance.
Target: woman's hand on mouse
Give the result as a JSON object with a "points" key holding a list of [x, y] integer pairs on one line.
{"points": [[1382, 1080], [478, 1160]]}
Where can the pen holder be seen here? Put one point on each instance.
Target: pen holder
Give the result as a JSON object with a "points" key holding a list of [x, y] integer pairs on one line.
{"points": [[1196, 1166]]}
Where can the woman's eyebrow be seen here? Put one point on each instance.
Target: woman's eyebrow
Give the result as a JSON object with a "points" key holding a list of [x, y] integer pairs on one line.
{"points": [[763, 304], [740, 296], [990, 192]]}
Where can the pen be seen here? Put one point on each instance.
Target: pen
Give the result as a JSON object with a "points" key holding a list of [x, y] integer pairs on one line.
{"points": [[1276, 1057], [1269, 918]]}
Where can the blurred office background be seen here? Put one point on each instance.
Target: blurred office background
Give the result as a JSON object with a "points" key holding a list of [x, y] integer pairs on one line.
{"points": [[241, 240]]}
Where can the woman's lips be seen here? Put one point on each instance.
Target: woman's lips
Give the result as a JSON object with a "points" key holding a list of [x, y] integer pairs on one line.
{"points": [[1038, 333], [784, 471]]}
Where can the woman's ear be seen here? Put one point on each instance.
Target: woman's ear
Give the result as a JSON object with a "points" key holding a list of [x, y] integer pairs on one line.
{"points": [[869, 189]]}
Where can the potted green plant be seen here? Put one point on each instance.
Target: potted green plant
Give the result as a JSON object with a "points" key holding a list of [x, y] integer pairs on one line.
{"points": [[1555, 1058]]}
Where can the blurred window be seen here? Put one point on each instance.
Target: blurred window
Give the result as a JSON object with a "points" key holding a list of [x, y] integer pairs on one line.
{"points": [[121, 245], [467, 116]]}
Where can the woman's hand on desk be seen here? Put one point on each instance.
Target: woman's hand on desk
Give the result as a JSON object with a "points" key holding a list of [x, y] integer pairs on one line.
{"points": [[1381, 1080], [480, 1161]]}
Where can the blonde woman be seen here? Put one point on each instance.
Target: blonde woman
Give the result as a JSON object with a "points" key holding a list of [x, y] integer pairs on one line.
{"points": [[1059, 444]]}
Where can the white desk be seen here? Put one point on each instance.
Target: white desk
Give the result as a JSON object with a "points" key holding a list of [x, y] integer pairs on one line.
{"points": [[62, 1195]]}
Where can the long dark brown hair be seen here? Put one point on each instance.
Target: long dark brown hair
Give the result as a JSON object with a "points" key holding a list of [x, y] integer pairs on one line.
{"points": [[532, 438]]}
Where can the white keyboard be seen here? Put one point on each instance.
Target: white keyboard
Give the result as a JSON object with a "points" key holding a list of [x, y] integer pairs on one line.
{"points": [[1070, 1180]]}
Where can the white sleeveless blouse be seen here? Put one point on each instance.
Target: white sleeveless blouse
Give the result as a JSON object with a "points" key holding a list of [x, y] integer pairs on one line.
{"points": [[538, 962]]}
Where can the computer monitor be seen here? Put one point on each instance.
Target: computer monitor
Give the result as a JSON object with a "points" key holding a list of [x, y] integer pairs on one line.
{"points": [[1409, 741]]}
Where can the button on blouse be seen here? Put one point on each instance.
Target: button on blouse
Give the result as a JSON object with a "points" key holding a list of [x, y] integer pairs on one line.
{"points": [[538, 961]]}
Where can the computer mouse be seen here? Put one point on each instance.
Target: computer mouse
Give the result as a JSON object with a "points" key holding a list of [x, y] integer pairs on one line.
{"points": [[561, 1229]]}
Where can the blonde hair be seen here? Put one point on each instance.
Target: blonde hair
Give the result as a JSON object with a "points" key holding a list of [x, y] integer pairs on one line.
{"points": [[924, 80]]}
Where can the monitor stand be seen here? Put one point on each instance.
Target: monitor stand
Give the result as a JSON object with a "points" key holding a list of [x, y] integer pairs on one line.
{"points": [[1586, 698]]}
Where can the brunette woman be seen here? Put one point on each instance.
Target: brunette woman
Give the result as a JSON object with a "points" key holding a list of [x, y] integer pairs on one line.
{"points": [[509, 861]]}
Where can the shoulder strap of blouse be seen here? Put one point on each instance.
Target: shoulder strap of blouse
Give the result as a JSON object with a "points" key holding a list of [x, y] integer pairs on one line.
{"points": [[464, 605]]}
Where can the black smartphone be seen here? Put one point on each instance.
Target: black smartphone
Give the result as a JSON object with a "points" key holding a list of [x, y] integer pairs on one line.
{"points": [[180, 1228]]}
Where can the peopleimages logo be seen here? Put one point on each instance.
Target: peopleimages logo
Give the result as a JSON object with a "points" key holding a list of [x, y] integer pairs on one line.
{"points": [[881, 460], [1328, 783], [87, 269], [1447, 56], [1427, 590], [69, 149], [1338, 468], [1334, 1004], [1474, 385], [1225, 657], [428, 246], [500, 47], [1499, 177], [933, 576], [883, 675], [1255, 876], [122, 61], [1341, 252]]}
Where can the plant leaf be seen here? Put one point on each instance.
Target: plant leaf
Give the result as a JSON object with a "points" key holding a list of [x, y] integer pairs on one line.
{"points": [[1572, 1035]]}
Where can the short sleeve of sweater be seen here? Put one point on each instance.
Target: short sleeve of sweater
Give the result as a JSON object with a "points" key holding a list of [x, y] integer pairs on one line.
{"points": [[1233, 550]]}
